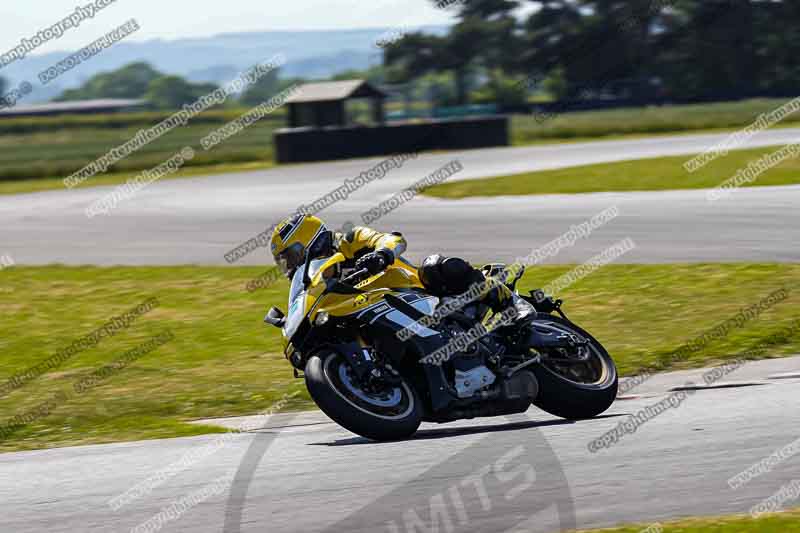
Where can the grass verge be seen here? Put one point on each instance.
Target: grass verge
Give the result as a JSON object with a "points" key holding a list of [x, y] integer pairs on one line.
{"points": [[37, 153], [663, 173], [785, 522], [60, 151], [224, 362], [51, 184], [646, 120]]}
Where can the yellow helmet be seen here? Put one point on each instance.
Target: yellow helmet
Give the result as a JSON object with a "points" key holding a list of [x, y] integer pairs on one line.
{"points": [[297, 237]]}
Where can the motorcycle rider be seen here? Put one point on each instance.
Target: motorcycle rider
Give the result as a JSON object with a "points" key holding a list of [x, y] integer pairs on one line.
{"points": [[299, 236]]}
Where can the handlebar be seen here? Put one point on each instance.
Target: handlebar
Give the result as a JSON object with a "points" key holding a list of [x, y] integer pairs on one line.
{"points": [[349, 280]]}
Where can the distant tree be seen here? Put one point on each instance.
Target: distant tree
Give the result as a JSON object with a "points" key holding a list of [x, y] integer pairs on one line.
{"points": [[439, 89], [172, 92], [130, 81], [502, 90], [285, 83], [495, 24], [413, 56], [3, 88], [488, 9], [485, 36], [262, 90], [554, 84], [709, 48], [777, 45], [639, 49], [582, 40], [374, 74], [460, 50]]}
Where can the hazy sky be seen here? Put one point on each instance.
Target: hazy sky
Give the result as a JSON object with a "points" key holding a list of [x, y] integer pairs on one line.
{"points": [[170, 19]]}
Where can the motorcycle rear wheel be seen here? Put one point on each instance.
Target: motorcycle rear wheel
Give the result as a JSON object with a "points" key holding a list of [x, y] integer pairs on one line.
{"points": [[393, 414]]}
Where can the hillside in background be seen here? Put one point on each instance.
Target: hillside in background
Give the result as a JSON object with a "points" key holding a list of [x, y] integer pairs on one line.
{"points": [[311, 54]]}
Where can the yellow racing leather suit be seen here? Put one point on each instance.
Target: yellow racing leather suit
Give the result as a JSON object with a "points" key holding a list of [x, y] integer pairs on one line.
{"points": [[361, 240]]}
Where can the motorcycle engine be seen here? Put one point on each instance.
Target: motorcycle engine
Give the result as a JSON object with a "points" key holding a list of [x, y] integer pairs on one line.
{"points": [[472, 380], [471, 373]]}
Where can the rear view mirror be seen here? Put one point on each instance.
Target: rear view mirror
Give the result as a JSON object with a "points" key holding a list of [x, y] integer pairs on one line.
{"points": [[275, 317]]}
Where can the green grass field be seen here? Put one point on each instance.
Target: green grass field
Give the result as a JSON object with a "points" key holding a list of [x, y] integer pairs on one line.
{"points": [[37, 153], [51, 184], [223, 361], [665, 173], [56, 153], [645, 121], [785, 522]]}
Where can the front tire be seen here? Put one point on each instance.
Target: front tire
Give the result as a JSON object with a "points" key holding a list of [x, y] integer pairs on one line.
{"points": [[393, 414], [572, 399]]}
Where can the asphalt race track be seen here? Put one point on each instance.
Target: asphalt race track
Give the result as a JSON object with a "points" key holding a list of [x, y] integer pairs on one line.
{"points": [[198, 220], [528, 472]]}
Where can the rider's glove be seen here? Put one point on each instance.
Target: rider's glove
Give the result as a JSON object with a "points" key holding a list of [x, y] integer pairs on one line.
{"points": [[375, 261]]}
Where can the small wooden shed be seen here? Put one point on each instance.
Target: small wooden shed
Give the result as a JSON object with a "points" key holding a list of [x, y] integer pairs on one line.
{"points": [[323, 104]]}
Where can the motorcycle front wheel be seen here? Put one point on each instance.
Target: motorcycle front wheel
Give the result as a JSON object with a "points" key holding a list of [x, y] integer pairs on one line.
{"points": [[579, 387], [393, 413]]}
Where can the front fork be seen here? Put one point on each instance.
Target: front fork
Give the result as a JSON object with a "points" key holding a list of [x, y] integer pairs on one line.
{"points": [[567, 345], [367, 369]]}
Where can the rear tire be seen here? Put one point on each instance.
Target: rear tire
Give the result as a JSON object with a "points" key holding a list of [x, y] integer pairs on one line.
{"points": [[571, 400], [395, 416]]}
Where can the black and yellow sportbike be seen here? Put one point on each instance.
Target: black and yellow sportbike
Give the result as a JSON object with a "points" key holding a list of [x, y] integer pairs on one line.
{"points": [[365, 344]]}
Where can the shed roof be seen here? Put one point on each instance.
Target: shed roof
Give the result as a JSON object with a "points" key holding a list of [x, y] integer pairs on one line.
{"points": [[105, 104], [335, 90]]}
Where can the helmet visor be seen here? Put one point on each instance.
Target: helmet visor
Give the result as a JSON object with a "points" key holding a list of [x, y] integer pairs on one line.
{"points": [[291, 258]]}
